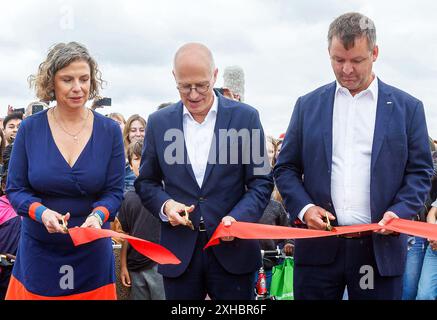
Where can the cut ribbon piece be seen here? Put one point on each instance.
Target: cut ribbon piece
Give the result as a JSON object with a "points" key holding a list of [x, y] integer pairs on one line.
{"points": [[149, 249], [246, 230], [414, 228]]}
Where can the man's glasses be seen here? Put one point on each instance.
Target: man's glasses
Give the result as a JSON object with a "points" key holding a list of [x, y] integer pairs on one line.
{"points": [[201, 88]]}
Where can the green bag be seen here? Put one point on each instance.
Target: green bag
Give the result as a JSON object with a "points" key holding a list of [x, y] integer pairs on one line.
{"points": [[282, 280]]}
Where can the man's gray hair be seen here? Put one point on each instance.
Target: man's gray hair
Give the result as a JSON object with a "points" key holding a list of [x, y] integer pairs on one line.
{"points": [[351, 26], [233, 79]]}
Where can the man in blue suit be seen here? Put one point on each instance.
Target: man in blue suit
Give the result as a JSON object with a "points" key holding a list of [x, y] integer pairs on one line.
{"points": [[205, 157], [356, 151]]}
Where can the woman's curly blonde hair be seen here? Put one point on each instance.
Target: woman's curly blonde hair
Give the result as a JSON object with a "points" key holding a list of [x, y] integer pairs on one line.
{"points": [[59, 57]]}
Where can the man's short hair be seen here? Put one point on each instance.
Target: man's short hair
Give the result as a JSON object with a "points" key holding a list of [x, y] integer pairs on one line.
{"points": [[12, 116], [164, 105], [351, 26]]}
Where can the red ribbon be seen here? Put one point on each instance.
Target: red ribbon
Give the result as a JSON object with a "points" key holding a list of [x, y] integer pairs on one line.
{"points": [[245, 230], [149, 249]]}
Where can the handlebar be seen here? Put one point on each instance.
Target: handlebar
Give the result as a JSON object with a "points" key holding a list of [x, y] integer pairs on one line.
{"points": [[277, 253], [6, 260], [271, 253]]}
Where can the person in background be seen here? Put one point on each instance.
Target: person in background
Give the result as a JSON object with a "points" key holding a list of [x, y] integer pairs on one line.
{"points": [[11, 123], [279, 144], [2, 148], [10, 226], [427, 288], [417, 246], [138, 272], [275, 215], [233, 83], [118, 117], [277, 148], [133, 131], [11, 110], [115, 225]]}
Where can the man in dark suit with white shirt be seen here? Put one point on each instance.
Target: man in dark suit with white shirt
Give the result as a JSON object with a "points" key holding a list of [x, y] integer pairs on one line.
{"points": [[356, 151], [188, 168]]}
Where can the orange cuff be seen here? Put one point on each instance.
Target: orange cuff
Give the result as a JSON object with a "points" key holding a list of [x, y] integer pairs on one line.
{"points": [[36, 210], [102, 212]]}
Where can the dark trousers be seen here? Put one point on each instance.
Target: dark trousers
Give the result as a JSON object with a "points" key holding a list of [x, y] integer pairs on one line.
{"points": [[205, 276], [5, 276], [354, 267]]}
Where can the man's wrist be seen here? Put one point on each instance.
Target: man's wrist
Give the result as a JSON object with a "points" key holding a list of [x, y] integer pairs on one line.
{"points": [[166, 206], [301, 214]]}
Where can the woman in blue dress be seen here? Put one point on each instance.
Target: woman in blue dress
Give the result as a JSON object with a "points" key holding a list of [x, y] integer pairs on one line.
{"points": [[67, 164]]}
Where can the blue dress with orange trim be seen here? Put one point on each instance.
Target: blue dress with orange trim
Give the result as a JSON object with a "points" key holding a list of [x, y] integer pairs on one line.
{"points": [[49, 265]]}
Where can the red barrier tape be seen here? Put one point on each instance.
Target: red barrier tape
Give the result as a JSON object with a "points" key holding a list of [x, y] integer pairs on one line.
{"points": [[149, 249], [245, 230]]}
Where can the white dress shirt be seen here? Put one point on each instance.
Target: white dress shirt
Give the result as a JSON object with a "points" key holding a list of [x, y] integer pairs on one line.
{"points": [[198, 139], [353, 126]]}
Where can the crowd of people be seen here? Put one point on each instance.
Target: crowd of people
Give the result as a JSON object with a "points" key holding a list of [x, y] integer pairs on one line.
{"points": [[356, 151]]}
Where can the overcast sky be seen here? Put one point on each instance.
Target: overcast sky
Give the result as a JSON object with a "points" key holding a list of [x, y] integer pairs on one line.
{"points": [[280, 44]]}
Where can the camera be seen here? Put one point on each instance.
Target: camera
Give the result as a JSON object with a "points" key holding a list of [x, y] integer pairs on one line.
{"points": [[37, 108], [103, 102], [19, 110]]}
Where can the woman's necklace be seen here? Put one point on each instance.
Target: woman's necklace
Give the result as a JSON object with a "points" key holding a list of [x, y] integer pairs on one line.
{"points": [[73, 135]]}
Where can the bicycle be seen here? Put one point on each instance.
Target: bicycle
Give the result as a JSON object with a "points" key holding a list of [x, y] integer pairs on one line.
{"points": [[261, 290], [7, 260]]}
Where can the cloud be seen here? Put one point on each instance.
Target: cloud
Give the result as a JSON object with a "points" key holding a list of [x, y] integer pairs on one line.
{"points": [[280, 44]]}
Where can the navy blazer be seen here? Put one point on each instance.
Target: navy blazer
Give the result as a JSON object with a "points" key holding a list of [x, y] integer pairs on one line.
{"points": [[401, 169], [228, 189]]}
